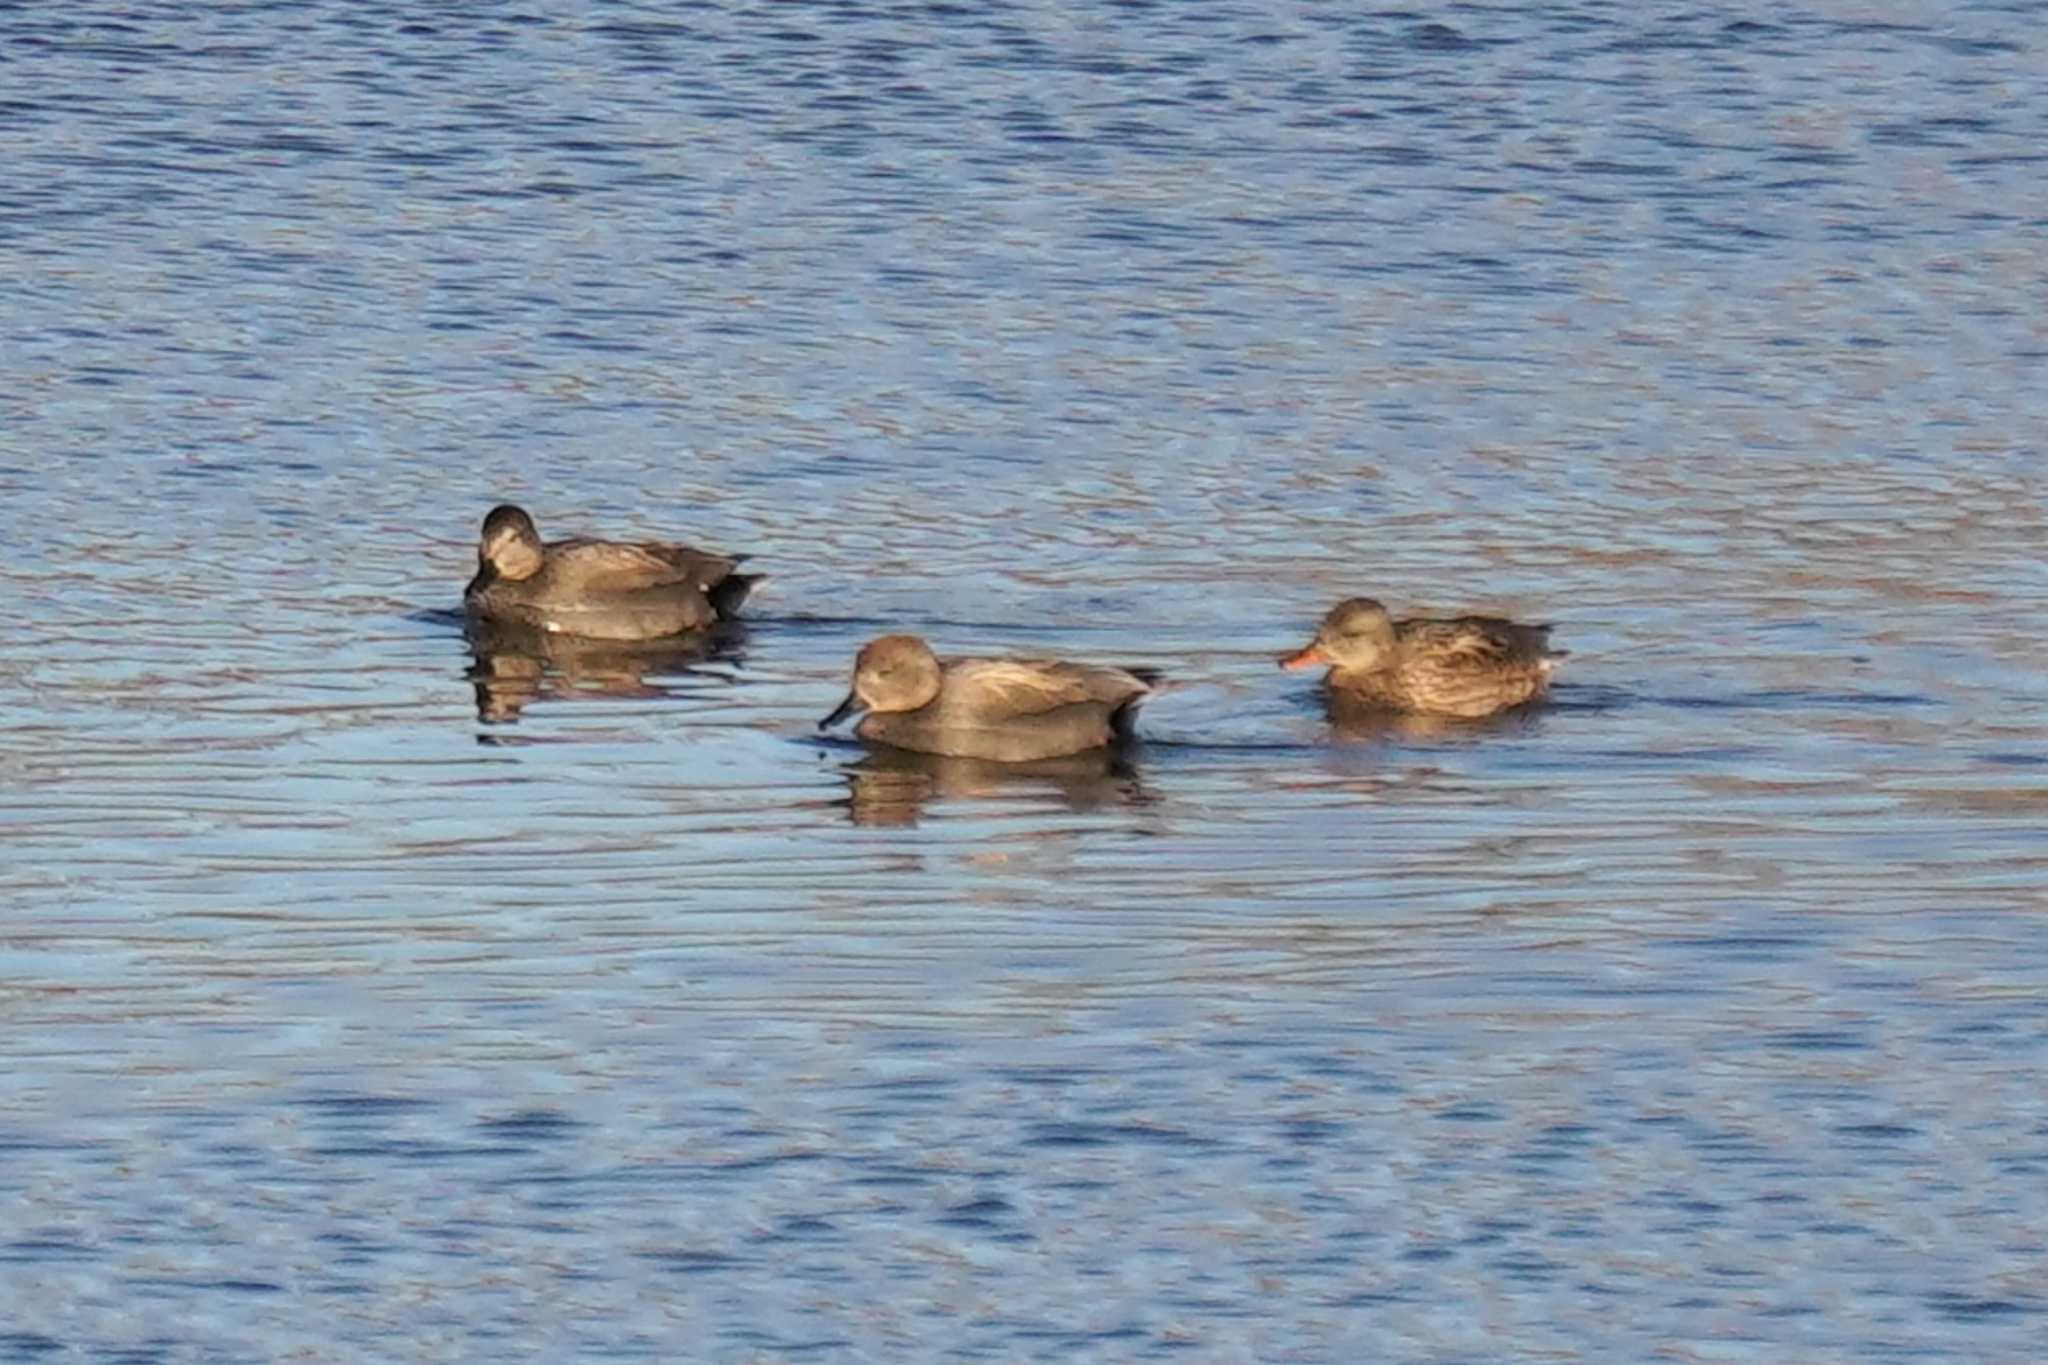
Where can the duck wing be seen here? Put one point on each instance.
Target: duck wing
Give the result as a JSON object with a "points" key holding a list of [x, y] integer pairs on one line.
{"points": [[1475, 644], [991, 689], [612, 566]]}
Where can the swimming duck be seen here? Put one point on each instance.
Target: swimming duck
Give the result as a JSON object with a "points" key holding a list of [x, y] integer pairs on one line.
{"points": [[1467, 666], [598, 589], [1012, 710]]}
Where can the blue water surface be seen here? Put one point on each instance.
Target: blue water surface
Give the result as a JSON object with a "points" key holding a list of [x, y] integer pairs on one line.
{"points": [[365, 998]]}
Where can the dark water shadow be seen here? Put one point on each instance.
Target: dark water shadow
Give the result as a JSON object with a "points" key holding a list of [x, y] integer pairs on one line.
{"points": [[514, 667], [439, 616], [1568, 698], [1787, 699], [894, 787]]}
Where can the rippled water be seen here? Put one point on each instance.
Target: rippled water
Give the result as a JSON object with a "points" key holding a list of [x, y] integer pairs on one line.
{"points": [[367, 999]]}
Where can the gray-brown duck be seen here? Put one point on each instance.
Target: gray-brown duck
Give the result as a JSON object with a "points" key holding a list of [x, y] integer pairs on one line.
{"points": [[598, 589], [1012, 710], [1466, 666]]}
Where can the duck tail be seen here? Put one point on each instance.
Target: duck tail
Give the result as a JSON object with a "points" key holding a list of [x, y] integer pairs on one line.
{"points": [[729, 592], [1123, 721], [1151, 677], [1547, 654]]}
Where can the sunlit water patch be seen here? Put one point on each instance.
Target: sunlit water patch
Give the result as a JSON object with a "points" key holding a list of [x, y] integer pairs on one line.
{"points": [[375, 989]]}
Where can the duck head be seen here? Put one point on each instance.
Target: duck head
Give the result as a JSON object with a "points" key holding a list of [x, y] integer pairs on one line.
{"points": [[510, 546], [1356, 635], [894, 673]]}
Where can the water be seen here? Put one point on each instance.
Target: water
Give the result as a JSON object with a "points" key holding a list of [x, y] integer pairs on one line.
{"points": [[365, 1000]]}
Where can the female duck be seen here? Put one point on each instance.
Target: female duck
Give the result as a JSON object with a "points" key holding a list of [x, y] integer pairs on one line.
{"points": [[1468, 666], [598, 589], [1012, 710]]}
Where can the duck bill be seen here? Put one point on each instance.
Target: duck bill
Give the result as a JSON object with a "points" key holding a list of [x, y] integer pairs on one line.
{"points": [[1306, 658], [851, 706]]}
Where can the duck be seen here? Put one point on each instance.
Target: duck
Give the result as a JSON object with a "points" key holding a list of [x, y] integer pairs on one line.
{"points": [[1007, 710], [598, 589], [1465, 666]]}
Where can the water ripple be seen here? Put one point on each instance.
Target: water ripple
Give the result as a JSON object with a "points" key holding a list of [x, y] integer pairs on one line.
{"points": [[437, 979]]}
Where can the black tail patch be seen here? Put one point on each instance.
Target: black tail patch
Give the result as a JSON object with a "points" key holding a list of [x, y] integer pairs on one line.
{"points": [[729, 592]]}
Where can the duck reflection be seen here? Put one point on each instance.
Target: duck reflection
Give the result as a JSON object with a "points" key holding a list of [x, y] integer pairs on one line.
{"points": [[893, 786], [517, 666], [1357, 721]]}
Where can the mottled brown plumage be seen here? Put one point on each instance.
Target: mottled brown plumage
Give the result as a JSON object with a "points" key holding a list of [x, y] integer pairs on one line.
{"points": [[598, 589], [1012, 710], [1466, 666]]}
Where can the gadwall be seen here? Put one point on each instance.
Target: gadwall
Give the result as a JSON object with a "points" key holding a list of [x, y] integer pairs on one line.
{"points": [[598, 589], [1011, 710], [1468, 666]]}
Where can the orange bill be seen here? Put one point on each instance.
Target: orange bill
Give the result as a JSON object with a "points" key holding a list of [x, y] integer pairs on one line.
{"points": [[1307, 658]]}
